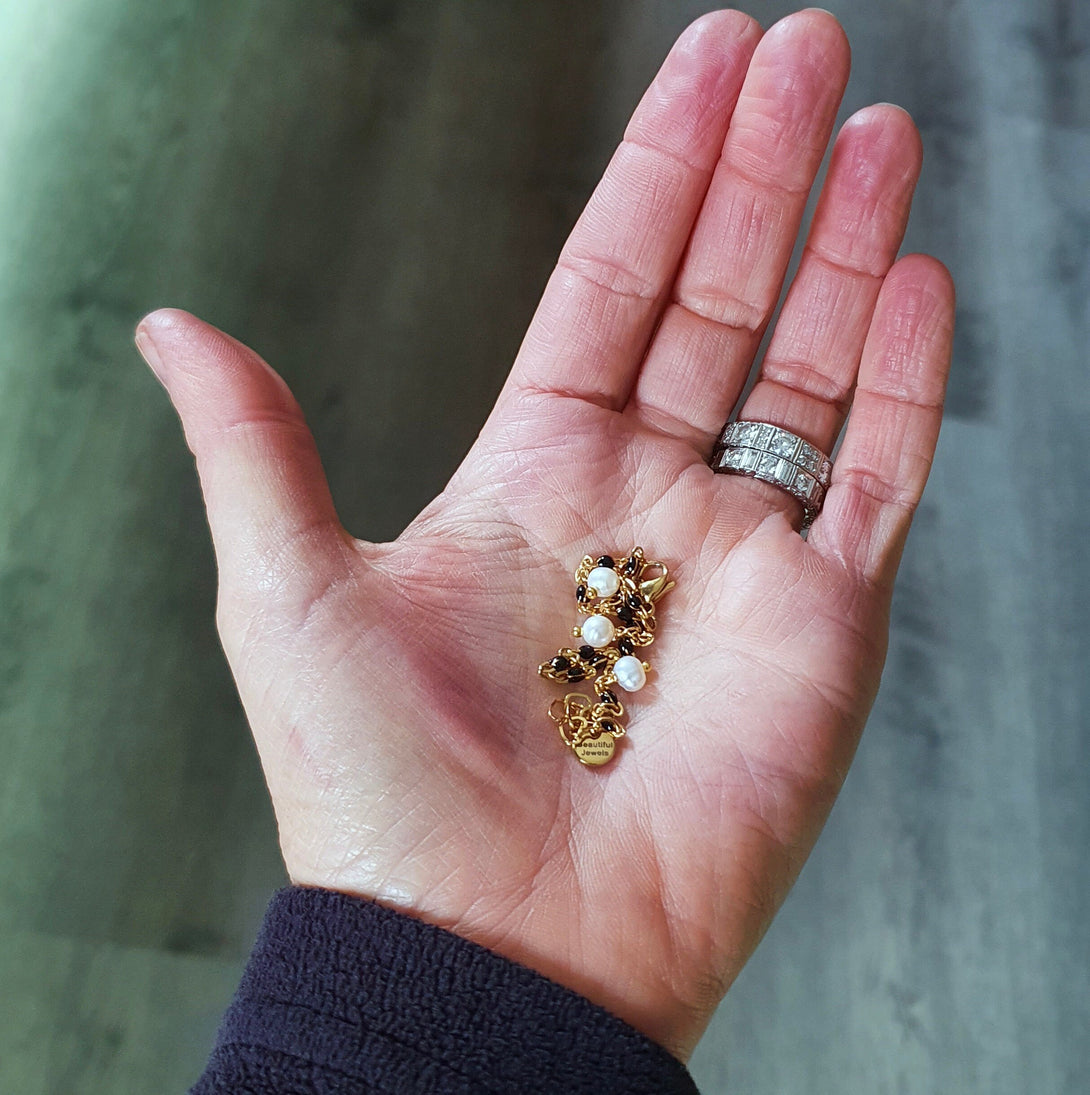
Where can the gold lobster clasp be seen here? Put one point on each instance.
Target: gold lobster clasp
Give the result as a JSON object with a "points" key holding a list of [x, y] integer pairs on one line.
{"points": [[653, 588]]}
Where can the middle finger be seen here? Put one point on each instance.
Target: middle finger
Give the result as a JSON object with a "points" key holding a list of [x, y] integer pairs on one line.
{"points": [[733, 272]]}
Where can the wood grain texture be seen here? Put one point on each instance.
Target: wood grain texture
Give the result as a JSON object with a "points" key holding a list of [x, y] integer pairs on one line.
{"points": [[372, 193]]}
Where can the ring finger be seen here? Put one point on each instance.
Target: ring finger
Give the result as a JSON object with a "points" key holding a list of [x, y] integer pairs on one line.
{"points": [[809, 373]]}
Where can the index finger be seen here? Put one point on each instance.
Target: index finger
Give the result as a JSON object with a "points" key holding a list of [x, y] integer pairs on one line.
{"points": [[603, 299]]}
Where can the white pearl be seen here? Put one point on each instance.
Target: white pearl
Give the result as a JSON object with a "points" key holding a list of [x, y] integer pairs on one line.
{"points": [[598, 630], [629, 673], [604, 581]]}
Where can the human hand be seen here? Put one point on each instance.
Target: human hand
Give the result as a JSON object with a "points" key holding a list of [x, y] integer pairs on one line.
{"points": [[392, 689]]}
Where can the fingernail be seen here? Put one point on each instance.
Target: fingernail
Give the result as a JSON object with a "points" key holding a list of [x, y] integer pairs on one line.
{"points": [[149, 352]]}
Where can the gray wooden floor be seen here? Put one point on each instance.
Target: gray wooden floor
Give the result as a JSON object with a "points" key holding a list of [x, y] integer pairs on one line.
{"points": [[372, 193]]}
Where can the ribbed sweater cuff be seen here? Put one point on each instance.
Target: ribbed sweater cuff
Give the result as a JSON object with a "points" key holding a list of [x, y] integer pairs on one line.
{"points": [[343, 995]]}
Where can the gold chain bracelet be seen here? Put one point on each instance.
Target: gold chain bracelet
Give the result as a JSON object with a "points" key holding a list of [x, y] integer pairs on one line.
{"points": [[618, 600]]}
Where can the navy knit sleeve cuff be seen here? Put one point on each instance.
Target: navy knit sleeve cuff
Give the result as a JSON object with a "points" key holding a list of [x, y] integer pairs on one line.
{"points": [[344, 995]]}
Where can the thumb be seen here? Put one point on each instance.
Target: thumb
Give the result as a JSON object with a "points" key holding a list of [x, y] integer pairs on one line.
{"points": [[274, 526]]}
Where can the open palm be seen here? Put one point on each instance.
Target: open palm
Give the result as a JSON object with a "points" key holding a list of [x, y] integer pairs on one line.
{"points": [[392, 689]]}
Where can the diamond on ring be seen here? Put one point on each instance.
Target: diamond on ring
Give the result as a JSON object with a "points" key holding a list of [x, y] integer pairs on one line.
{"points": [[774, 455]]}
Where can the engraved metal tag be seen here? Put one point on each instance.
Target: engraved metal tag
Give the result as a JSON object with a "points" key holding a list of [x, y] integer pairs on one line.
{"points": [[595, 751]]}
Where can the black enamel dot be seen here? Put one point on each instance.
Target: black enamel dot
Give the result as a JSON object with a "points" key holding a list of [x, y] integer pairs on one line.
{"points": [[580, 593], [625, 616], [587, 653], [625, 646], [633, 600], [560, 663], [605, 561], [606, 726], [607, 696], [576, 675], [631, 564]]}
